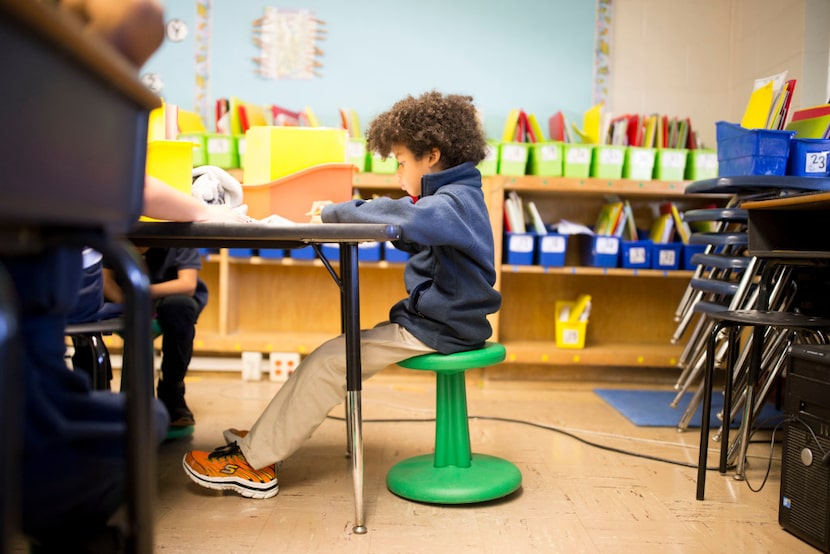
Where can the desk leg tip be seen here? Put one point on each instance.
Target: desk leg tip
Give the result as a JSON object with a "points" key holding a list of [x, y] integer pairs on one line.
{"points": [[359, 529]]}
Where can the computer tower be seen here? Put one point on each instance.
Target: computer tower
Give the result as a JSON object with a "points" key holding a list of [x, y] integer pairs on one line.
{"points": [[805, 467]]}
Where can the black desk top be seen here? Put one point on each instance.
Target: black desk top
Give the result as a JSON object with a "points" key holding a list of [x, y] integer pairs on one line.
{"points": [[256, 235]]}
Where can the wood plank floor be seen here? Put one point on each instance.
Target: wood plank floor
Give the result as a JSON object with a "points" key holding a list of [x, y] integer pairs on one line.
{"points": [[575, 497]]}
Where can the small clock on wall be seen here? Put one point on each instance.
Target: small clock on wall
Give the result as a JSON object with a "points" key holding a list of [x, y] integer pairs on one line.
{"points": [[176, 30]]}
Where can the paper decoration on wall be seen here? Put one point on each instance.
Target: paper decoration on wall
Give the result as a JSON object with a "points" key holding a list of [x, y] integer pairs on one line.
{"points": [[202, 103], [287, 40], [602, 50]]}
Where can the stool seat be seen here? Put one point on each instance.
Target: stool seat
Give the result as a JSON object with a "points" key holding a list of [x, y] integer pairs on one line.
{"points": [[491, 354], [453, 474]]}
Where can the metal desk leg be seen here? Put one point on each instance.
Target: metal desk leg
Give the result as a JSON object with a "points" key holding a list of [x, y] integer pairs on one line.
{"points": [[138, 381], [11, 410], [350, 308]]}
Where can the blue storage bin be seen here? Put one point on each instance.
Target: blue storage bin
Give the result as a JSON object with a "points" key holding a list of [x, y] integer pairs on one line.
{"points": [[304, 253], [392, 254], [636, 254], [666, 255], [552, 248], [368, 251], [271, 253], [751, 151], [809, 157], [690, 250], [240, 252], [331, 250], [599, 250], [519, 248]]}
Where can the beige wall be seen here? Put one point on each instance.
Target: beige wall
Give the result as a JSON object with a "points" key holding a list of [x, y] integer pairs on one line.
{"points": [[699, 58]]}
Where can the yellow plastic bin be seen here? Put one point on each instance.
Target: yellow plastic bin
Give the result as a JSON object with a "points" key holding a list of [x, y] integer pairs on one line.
{"points": [[171, 161], [569, 334]]}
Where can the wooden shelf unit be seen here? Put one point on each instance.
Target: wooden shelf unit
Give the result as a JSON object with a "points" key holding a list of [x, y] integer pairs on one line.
{"points": [[290, 305]]}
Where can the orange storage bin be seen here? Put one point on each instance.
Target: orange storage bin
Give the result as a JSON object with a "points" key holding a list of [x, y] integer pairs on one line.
{"points": [[292, 196]]}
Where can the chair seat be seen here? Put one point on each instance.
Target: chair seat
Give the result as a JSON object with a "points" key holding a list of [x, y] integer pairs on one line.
{"points": [[492, 353], [772, 318], [721, 261], [716, 214]]}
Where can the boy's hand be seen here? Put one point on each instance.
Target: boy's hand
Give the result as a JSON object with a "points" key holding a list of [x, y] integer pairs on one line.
{"points": [[317, 210]]}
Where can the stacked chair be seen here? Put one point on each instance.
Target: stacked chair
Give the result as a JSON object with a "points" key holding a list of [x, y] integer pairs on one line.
{"points": [[741, 315]]}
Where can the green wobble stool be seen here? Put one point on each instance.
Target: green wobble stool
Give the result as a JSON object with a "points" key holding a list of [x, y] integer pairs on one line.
{"points": [[453, 474]]}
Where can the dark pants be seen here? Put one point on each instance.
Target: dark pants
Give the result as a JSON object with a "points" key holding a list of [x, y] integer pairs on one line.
{"points": [[73, 468], [177, 316]]}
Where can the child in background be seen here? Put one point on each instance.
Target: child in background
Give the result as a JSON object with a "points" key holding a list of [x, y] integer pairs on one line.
{"points": [[179, 296], [437, 141]]}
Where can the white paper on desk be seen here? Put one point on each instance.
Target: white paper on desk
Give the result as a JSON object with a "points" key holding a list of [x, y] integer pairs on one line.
{"points": [[277, 220]]}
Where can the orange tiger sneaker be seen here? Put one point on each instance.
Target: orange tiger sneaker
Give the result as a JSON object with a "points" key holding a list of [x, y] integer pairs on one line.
{"points": [[226, 469]]}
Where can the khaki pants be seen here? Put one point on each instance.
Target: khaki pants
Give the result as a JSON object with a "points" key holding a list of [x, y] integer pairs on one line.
{"points": [[318, 385]]}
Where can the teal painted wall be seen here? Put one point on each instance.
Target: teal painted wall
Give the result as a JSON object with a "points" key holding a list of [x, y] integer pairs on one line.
{"points": [[530, 54]]}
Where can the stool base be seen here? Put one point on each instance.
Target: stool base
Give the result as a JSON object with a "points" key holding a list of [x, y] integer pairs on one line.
{"points": [[487, 478]]}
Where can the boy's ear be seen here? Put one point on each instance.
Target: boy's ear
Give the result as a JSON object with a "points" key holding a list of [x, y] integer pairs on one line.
{"points": [[434, 157]]}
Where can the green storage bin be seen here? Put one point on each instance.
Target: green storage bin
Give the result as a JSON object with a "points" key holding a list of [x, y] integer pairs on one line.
{"points": [[639, 163], [356, 153], [670, 164], [222, 151], [490, 164], [545, 159], [240, 149], [576, 159], [200, 147], [607, 161], [512, 158], [702, 164], [376, 164]]}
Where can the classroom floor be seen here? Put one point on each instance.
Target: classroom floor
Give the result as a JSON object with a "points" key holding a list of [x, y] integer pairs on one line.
{"points": [[575, 497]]}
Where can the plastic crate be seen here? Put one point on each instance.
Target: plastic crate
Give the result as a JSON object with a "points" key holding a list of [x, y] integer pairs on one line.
{"points": [[751, 151], [808, 157]]}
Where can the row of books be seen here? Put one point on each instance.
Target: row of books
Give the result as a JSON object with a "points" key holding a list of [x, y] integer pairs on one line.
{"points": [[615, 219]]}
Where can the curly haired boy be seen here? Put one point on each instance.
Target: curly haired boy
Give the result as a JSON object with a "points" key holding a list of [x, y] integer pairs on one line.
{"points": [[437, 141]]}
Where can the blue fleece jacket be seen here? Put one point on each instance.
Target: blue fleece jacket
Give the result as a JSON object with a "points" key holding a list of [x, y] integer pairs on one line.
{"points": [[450, 274]]}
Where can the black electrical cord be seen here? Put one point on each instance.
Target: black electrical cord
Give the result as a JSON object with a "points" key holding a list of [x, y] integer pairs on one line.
{"points": [[556, 430]]}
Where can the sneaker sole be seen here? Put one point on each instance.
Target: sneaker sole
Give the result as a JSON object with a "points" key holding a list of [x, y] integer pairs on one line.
{"points": [[239, 486], [178, 432]]}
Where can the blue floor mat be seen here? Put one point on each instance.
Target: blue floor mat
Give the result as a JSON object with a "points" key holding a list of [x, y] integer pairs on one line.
{"points": [[650, 408]]}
